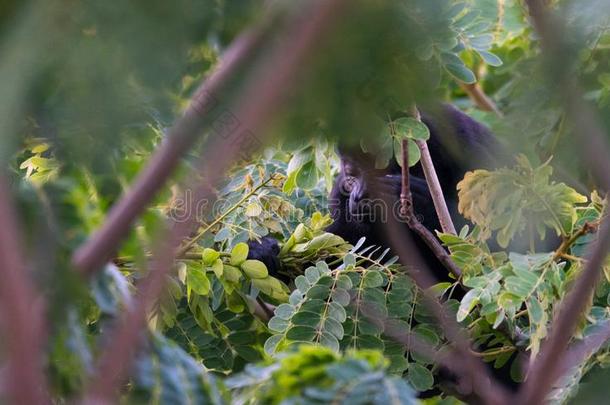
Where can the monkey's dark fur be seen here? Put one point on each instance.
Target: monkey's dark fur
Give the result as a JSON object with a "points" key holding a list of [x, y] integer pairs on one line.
{"points": [[457, 144]]}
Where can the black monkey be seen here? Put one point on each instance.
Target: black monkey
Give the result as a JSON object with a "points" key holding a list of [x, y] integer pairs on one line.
{"points": [[457, 144]]}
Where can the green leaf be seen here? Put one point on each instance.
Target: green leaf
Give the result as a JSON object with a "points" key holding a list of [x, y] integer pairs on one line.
{"points": [[301, 333], [254, 269], [481, 42], [307, 177], [290, 183], [218, 268], [349, 260], [231, 274], [330, 341], [490, 58], [155, 377], [372, 279], [343, 281], [341, 297], [470, 299], [197, 281], [334, 327], [410, 128], [369, 342], [518, 287], [302, 284], [534, 310], [420, 377], [284, 311], [278, 324], [337, 312], [253, 210], [414, 152], [239, 254], [450, 57], [223, 234], [318, 292], [461, 73], [298, 160], [209, 256], [272, 343], [40, 148]]}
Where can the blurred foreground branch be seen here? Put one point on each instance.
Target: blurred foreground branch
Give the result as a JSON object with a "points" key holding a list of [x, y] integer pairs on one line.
{"points": [[593, 148], [180, 138], [261, 98], [472, 375], [21, 314]]}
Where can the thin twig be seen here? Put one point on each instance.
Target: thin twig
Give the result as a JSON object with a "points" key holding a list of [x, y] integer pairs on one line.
{"points": [[472, 371], [480, 99], [440, 205], [189, 245], [260, 100], [262, 310], [21, 314], [407, 212], [449, 359], [566, 244]]}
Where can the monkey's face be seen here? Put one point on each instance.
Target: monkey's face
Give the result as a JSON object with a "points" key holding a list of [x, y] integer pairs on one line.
{"points": [[359, 196], [354, 185]]}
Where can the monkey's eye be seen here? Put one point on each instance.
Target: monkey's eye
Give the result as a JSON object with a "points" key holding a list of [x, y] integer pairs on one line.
{"points": [[349, 183]]}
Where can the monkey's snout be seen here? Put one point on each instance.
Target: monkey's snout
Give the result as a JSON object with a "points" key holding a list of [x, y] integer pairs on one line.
{"points": [[360, 206]]}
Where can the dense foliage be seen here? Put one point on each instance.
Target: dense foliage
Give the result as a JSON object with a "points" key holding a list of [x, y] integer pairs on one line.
{"points": [[89, 90]]}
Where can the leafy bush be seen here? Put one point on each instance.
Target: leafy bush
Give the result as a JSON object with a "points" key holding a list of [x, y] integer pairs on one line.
{"points": [[88, 95]]}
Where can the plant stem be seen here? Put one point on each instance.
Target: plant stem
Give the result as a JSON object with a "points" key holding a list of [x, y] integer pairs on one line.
{"points": [[189, 245], [406, 208], [566, 244], [434, 185]]}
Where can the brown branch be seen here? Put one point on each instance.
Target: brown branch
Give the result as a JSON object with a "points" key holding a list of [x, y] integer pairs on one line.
{"points": [[440, 205], [474, 372], [406, 200], [593, 147], [262, 310], [204, 106], [409, 216], [449, 359], [482, 384], [582, 350], [566, 244], [261, 99], [480, 99], [21, 314], [545, 370]]}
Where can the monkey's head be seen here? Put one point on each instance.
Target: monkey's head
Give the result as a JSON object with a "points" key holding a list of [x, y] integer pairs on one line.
{"points": [[353, 189]]}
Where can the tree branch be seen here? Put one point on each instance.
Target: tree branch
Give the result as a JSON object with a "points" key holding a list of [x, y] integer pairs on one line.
{"points": [[21, 314], [480, 99], [260, 100], [476, 377], [180, 138], [440, 205], [582, 350], [407, 212], [566, 244], [594, 148]]}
